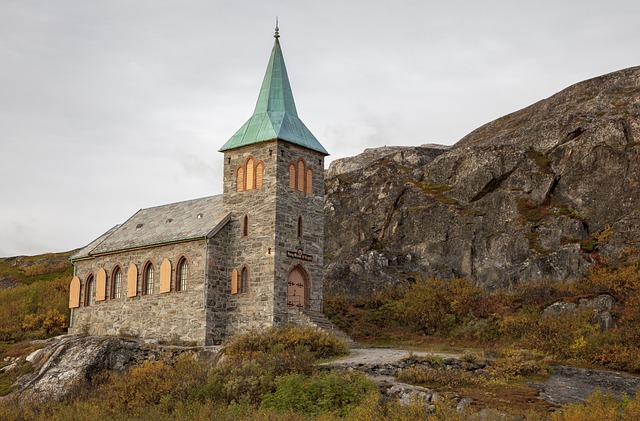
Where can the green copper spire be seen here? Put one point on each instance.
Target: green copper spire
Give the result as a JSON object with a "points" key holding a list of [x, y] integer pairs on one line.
{"points": [[275, 115]]}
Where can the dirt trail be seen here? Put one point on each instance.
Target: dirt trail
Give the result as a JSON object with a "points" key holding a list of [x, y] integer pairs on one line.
{"points": [[380, 356]]}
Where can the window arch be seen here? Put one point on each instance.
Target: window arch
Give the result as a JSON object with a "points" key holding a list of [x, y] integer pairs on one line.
{"points": [[182, 274], [250, 175], [116, 283], [301, 177], [90, 291], [147, 279]]}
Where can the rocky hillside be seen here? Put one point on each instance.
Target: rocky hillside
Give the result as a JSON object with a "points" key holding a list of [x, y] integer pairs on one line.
{"points": [[544, 192]]}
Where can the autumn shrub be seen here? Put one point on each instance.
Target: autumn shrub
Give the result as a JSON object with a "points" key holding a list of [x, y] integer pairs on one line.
{"points": [[440, 377], [437, 306], [565, 336], [323, 393], [600, 407], [319, 343], [529, 294], [515, 363]]}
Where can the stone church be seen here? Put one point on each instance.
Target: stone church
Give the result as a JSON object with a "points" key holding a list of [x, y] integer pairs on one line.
{"points": [[204, 269]]}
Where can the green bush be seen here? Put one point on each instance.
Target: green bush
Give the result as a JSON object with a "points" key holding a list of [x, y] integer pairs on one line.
{"points": [[326, 392]]}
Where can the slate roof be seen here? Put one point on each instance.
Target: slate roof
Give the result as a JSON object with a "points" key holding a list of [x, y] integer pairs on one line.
{"points": [[186, 220], [275, 115]]}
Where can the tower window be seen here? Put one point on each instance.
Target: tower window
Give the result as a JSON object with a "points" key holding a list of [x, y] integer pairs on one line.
{"points": [[240, 179], [299, 227], [292, 176], [250, 175], [308, 189], [300, 173], [245, 225], [301, 177]]}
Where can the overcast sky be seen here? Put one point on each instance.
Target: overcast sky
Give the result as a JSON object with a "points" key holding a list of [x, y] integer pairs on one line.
{"points": [[110, 106]]}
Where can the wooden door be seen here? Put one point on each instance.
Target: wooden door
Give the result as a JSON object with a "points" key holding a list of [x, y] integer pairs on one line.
{"points": [[297, 289]]}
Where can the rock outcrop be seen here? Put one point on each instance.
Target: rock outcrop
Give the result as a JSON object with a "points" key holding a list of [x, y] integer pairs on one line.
{"points": [[60, 364], [544, 192]]}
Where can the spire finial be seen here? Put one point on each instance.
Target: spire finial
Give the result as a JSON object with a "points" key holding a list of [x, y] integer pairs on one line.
{"points": [[277, 34]]}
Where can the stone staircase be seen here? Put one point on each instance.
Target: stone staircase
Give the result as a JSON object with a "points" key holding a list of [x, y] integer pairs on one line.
{"points": [[306, 317]]}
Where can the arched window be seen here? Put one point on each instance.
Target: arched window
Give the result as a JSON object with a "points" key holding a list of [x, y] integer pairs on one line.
{"points": [[147, 281], [301, 177], [300, 171], [245, 225], [299, 227], [250, 175], [234, 281], [244, 280], [259, 175], [240, 179], [90, 291], [292, 176], [309, 182], [182, 275], [116, 283], [74, 293]]}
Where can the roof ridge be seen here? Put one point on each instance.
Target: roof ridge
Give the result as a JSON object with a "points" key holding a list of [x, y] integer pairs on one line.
{"points": [[176, 203]]}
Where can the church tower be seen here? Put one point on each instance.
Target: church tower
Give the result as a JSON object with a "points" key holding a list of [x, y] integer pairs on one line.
{"points": [[274, 192]]}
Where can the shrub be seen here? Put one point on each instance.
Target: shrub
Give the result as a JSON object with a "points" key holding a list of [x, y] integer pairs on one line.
{"points": [[600, 407], [437, 306], [441, 378], [319, 343], [326, 392]]}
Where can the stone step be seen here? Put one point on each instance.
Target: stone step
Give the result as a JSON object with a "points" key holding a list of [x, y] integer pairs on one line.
{"points": [[320, 321]]}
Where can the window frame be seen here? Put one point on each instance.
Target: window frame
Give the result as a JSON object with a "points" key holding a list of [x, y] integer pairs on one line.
{"points": [[243, 282], [148, 287], [115, 292], [90, 291], [182, 276]]}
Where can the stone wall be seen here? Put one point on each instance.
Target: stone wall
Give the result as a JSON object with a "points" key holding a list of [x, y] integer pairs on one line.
{"points": [[290, 205], [256, 251], [173, 316], [218, 286], [273, 213]]}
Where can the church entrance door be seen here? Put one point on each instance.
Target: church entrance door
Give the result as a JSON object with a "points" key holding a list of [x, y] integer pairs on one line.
{"points": [[297, 289]]}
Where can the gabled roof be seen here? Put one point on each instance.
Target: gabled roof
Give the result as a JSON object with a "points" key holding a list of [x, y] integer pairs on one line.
{"points": [[275, 115], [180, 221]]}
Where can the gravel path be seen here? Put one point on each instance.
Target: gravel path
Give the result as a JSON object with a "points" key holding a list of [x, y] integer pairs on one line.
{"points": [[378, 356]]}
